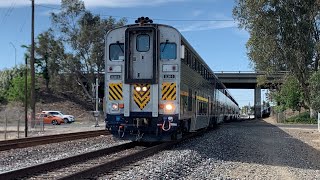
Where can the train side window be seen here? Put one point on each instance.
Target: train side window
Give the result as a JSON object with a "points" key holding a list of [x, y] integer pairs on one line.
{"points": [[190, 100], [198, 66], [194, 63], [187, 58], [116, 51], [168, 51], [143, 42], [190, 59]]}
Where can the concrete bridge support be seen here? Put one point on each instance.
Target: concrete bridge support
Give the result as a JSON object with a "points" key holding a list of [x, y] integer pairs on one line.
{"points": [[257, 102]]}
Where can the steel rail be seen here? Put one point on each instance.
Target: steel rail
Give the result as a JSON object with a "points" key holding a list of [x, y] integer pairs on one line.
{"points": [[125, 160], [44, 167], [97, 169], [39, 140]]}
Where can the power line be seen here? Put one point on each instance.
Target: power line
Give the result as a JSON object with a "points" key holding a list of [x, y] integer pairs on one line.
{"points": [[159, 19], [48, 7], [8, 12]]}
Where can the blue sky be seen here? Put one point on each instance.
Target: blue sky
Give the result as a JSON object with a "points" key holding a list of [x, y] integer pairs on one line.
{"points": [[220, 43]]}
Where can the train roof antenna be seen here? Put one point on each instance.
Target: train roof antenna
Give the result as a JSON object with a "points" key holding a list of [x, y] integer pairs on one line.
{"points": [[143, 20]]}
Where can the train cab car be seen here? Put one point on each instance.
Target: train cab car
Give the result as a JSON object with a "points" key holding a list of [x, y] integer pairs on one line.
{"points": [[157, 86]]}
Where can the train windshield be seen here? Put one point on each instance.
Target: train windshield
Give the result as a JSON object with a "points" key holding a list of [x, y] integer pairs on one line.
{"points": [[168, 50], [116, 51]]}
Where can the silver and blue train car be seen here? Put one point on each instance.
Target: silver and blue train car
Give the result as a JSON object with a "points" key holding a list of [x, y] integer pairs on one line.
{"points": [[157, 87]]}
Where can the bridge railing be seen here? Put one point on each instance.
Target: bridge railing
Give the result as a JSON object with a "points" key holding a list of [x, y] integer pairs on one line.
{"points": [[253, 72]]}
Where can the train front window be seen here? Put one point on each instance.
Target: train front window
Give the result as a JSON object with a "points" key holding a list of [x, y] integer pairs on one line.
{"points": [[116, 51], [168, 50], [143, 43]]}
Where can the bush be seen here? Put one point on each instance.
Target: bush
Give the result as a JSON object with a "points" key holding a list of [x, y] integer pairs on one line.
{"points": [[303, 118], [314, 91]]}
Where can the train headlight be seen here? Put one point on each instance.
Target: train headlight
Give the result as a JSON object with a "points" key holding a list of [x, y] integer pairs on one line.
{"points": [[138, 88], [169, 107], [114, 106], [144, 89]]}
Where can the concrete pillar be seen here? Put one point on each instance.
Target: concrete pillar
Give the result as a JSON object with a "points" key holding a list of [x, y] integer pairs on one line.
{"points": [[257, 102]]}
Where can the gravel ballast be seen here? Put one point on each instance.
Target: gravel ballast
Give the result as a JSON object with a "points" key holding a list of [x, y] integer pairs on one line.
{"points": [[252, 149], [242, 150], [25, 157]]}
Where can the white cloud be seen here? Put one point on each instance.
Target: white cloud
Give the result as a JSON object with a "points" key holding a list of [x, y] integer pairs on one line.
{"points": [[205, 25], [9, 3], [126, 3], [197, 12], [91, 3]]}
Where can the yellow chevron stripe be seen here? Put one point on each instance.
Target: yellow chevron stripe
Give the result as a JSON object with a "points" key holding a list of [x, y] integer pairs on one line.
{"points": [[169, 91], [112, 96], [119, 89], [174, 96], [141, 98], [115, 91], [119, 95]]}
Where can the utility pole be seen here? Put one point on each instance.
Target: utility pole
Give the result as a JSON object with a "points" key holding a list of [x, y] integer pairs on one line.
{"points": [[33, 93], [26, 100]]}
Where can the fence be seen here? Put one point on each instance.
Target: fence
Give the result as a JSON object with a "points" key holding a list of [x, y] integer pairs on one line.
{"points": [[12, 123], [319, 121]]}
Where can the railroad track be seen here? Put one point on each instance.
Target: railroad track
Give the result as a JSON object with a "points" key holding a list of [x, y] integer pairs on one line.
{"points": [[39, 140], [92, 164]]}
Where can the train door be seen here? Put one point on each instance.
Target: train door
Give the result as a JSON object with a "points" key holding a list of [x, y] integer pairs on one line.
{"points": [[141, 55], [141, 69]]}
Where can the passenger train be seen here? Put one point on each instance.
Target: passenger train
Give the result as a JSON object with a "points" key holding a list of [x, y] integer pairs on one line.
{"points": [[157, 87]]}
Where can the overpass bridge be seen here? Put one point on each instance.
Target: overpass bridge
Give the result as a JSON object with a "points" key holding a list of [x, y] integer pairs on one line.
{"points": [[248, 80]]}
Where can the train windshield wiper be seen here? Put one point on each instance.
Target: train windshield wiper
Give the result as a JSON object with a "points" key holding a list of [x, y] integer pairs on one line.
{"points": [[165, 45], [120, 46]]}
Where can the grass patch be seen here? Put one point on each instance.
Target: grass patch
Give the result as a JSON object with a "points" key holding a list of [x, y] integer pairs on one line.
{"points": [[302, 118]]}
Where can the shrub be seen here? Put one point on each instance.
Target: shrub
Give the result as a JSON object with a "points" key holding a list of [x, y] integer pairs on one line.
{"points": [[303, 118]]}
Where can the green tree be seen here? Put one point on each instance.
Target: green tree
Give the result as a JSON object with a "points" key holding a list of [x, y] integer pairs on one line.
{"points": [[291, 93], [314, 91], [283, 36], [6, 77], [83, 33], [50, 54], [16, 91]]}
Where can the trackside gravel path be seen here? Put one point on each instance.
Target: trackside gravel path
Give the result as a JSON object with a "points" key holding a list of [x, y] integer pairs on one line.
{"points": [[242, 150]]}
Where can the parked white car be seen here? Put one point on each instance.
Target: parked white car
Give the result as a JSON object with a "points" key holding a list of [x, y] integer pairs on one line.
{"points": [[66, 118]]}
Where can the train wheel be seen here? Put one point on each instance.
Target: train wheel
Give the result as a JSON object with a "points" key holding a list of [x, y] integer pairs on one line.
{"points": [[215, 123], [174, 136]]}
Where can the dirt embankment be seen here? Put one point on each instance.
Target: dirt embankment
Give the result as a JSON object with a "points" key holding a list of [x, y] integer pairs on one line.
{"points": [[81, 109]]}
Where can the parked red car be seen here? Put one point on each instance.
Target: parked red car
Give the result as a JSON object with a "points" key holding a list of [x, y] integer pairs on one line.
{"points": [[49, 118]]}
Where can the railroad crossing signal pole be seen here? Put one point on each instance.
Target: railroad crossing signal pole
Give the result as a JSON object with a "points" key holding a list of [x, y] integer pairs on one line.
{"points": [[96, 113]]}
